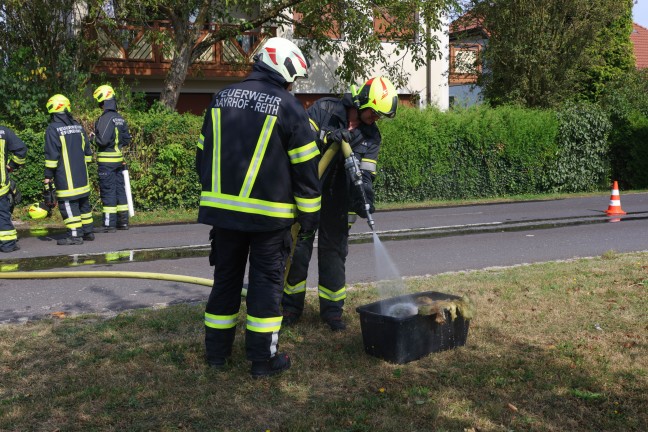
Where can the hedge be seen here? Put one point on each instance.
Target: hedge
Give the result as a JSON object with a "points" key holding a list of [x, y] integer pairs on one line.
{"points": [[426, 154]]}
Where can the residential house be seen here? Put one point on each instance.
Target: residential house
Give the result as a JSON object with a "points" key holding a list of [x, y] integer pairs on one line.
{"points": [[639, 38], [145, 66], [467, 40]]}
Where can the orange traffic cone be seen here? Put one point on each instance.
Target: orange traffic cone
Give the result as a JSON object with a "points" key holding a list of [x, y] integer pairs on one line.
{"points": [[615, 202]]}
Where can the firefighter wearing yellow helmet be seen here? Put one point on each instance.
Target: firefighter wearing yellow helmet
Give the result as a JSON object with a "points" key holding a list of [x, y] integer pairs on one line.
{"points": [[67, 151], [352, 119], [12, 156], [111, 135]]}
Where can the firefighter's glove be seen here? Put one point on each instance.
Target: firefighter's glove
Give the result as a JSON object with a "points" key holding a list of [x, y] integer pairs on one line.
{"points": [[304, 235], [308, 222], [338, 135], [358, 198]]}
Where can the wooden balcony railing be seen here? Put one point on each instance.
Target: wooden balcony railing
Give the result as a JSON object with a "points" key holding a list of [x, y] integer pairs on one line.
{"points": [[135, 55]]}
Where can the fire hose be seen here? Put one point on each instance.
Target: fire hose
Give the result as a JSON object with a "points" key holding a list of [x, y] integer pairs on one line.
{"points": [[351, 164], [111, 274]]}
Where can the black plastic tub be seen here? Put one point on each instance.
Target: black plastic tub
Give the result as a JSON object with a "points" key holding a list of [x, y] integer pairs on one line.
{"points": [[404, 339]]}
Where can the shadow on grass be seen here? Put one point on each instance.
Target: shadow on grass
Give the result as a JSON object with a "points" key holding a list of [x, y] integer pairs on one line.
{"points": [[145, 371]]}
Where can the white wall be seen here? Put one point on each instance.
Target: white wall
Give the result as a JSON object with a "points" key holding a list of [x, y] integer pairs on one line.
{"points": [[322, 77]]}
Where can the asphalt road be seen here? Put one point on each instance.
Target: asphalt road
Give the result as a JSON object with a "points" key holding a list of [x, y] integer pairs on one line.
{"points": [[418, 242]]}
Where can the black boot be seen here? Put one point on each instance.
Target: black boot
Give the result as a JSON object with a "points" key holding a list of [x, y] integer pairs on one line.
{"points": [[336, 324], [289, 319], [275, 365], [88, 236], [67, 241], [8, 249]]}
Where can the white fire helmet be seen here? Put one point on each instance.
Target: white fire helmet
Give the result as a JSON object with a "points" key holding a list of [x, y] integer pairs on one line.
{"points": [[285, 58]]}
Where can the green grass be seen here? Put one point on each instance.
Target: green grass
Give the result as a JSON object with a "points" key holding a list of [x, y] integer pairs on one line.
{"points": [[552, 347]]}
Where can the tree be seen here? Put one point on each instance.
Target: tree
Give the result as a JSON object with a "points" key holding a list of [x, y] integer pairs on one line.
{"points": [[541, 52], [42, 53], [361, 49]]}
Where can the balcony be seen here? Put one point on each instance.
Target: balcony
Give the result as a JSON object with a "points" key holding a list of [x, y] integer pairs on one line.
{"points": [[135, 55]]}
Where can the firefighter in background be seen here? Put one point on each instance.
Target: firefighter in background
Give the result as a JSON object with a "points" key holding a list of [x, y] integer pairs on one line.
{"points": [[12, 156], [352, 119], [257, 163], [111, 135], [67, 151]]}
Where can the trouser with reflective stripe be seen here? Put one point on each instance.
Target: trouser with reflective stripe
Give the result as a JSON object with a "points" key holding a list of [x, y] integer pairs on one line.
{"points": [[112, 190], [267, 253], [8, 234], [77, 216], [332, 249]]}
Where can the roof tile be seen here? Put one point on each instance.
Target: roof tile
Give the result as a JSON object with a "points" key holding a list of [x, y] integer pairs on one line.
{"points": [[639, 39]]}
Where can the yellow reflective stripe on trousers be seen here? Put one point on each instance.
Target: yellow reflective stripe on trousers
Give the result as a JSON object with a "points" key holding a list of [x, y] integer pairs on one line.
{"points": [[303, 153], [308, 205], [8, 235], [73, 222], [295, 289], [257, 158], [332, 295], [221, 322], [216, 181], [263, 325], [122, 207], [247, 205], [109, 210]]}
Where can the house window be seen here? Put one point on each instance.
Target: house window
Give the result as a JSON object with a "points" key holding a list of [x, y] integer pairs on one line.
{"points": [[464, 63]]}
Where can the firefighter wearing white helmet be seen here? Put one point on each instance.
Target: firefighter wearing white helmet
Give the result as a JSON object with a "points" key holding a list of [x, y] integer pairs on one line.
{"points": [[111, 135], [13, 152], [257, 162], [67, 151], [352, 119]]}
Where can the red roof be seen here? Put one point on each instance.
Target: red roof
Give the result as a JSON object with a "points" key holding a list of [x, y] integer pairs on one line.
{"points": [[639, 38]]}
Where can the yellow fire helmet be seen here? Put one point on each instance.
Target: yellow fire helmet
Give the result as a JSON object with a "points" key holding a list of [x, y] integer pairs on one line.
{"points": [[37, 212], [103, 93], [58, 104], [380, 95]]}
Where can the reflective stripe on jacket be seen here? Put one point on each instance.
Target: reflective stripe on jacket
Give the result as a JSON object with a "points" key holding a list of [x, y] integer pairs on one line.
{"points": [[67, 150], [12, 153], [111, 135], [257, 158]]}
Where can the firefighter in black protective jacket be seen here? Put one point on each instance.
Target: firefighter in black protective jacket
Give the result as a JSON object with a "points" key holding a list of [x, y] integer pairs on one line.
{"points": [[111, 135], [12, 156], [67, 151], [352, 119], [257, 162]]}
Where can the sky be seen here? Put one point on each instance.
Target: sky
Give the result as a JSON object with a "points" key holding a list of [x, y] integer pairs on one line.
{"points": [[640, 13]]}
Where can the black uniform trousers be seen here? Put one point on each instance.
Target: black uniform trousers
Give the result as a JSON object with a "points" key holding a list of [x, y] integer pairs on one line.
{"points": [[332, 250], [112, 189], [8, 235], [77, 216], [267, 252]]}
